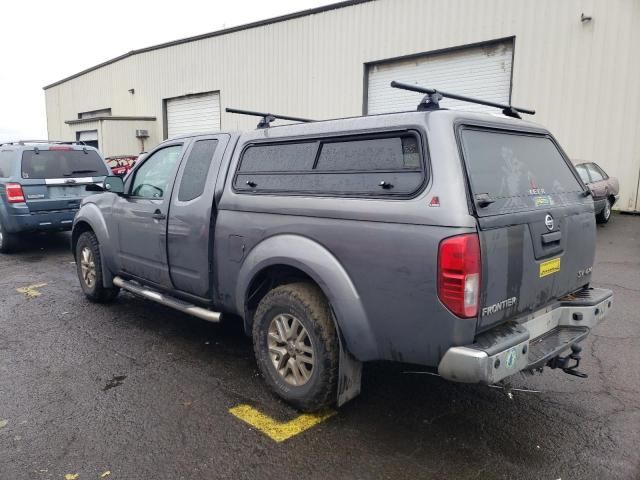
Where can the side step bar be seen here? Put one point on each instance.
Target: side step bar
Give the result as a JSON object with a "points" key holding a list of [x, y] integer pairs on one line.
{"points": [[166, 300]]}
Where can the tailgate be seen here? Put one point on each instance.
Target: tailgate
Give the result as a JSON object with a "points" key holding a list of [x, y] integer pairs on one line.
{"points": [[536, 227], [56, 179], [56, 193]]}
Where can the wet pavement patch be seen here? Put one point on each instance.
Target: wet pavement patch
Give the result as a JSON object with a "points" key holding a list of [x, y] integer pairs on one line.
{"points": [[176, 423], [115, 381]]}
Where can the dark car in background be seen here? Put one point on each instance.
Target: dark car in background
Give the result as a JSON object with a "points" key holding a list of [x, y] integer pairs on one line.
{"points": [[604, 189], [41, 185]]}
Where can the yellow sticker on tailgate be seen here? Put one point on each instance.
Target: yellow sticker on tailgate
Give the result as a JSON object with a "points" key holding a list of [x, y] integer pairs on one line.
{"points": [[549, 267]]}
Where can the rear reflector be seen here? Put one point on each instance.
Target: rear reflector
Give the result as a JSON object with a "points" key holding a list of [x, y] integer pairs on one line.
{"points": [[14, 192], [459, 274]]}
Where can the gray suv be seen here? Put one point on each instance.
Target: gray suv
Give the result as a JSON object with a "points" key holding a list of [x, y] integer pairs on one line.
{"points": [[459, 241], [41, 185]]}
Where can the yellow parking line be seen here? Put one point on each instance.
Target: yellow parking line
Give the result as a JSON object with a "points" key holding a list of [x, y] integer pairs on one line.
{"points": [[31, 291], [279, 431]]}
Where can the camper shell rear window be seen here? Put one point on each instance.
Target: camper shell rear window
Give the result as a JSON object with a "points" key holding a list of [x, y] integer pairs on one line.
{"points": [[517, 170]]}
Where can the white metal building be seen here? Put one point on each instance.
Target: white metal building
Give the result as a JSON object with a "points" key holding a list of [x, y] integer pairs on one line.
{"points": [[576, 62]]}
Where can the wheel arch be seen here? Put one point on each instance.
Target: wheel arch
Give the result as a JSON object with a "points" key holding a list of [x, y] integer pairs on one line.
{"points": [[287, 258], [79, 228], [90, 219]]}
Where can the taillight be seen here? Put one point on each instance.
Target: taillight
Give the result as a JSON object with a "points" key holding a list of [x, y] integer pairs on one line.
{"points": [[14, 192], [60, 147], [459, 274]]}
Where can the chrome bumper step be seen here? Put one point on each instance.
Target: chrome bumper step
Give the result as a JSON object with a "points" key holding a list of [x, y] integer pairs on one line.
{"points": [[553, 343], [167, 300], [529, 343]]}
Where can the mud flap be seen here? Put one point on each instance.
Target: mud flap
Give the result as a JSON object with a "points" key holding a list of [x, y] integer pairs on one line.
{"points": [[349, 376]]}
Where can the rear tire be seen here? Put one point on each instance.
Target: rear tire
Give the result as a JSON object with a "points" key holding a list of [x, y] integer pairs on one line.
{"points": [[89, 267], [296, 346], [605, 215], [8, 241]]}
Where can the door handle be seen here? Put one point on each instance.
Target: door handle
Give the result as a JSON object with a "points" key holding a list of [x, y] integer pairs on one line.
{"points": [[551, 237], [158, 215]]}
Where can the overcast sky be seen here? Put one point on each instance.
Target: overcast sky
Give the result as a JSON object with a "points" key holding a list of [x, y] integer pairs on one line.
{"points": [[45, 41]]}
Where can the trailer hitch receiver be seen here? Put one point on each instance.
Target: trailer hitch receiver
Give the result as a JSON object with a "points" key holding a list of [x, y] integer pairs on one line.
{"points": [[564, 363]]}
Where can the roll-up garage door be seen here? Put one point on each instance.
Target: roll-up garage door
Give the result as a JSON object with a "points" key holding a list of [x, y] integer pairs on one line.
{"points": [[480, 71], [89, 137], [193, 114]]}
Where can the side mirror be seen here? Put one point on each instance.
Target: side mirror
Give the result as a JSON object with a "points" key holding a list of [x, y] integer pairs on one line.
{"points": [[113, 184], [92, 187]]}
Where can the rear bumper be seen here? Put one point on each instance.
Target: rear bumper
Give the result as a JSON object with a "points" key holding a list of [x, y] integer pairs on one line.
{"points": [[40, 221], [513, 347]]}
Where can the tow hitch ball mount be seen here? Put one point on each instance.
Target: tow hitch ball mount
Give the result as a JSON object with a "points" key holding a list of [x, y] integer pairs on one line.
{"points": [[564, 362]]}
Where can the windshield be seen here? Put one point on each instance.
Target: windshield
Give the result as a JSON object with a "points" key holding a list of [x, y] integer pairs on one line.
{"points": [[517, 171], [62, 164]]}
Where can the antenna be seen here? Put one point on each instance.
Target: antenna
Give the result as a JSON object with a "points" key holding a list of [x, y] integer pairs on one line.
{"points": [[267, 118], [433, 97]]}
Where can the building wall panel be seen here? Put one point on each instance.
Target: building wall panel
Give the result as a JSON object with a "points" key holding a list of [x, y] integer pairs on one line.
{"points": [[580, 77]]}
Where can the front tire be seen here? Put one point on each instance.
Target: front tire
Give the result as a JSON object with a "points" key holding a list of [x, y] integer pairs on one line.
{"points": [[89, 268], [8, 241], [296, 345], [605, 215]]}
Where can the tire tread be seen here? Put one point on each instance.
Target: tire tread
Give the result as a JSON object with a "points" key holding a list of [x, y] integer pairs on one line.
{"points": [[311, 298], [100, 294]]}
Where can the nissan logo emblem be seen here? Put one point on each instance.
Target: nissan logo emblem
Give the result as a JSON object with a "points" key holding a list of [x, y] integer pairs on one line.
{"points": [[548, 221]]}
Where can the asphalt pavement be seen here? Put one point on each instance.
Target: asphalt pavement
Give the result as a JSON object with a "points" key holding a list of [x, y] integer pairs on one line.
{"points": [[134, 390]]}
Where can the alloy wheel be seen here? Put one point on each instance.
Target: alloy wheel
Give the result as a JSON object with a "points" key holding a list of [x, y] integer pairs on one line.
{"points": [[290, 349], [88, 267]]}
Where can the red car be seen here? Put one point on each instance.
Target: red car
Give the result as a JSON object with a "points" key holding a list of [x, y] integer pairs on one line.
{"points": [[122, 164], [604, 189]]}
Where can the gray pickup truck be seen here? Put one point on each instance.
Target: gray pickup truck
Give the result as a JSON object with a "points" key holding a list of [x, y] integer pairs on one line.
{"points": [[463, 242]]}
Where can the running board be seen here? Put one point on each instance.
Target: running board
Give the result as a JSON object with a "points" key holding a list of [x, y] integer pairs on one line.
{"points": [[166, 300]]}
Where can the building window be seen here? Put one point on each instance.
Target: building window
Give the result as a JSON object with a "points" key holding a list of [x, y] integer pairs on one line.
{"points": [[105, 112]]}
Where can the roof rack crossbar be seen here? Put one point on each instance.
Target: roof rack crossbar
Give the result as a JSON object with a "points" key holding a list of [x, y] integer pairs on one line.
{"points": [[60, 142], [267, 118], [430, 102]]}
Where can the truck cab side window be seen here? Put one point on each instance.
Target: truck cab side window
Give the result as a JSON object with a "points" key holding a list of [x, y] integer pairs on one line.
{"points": [[153, 177], [194, 177]]}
